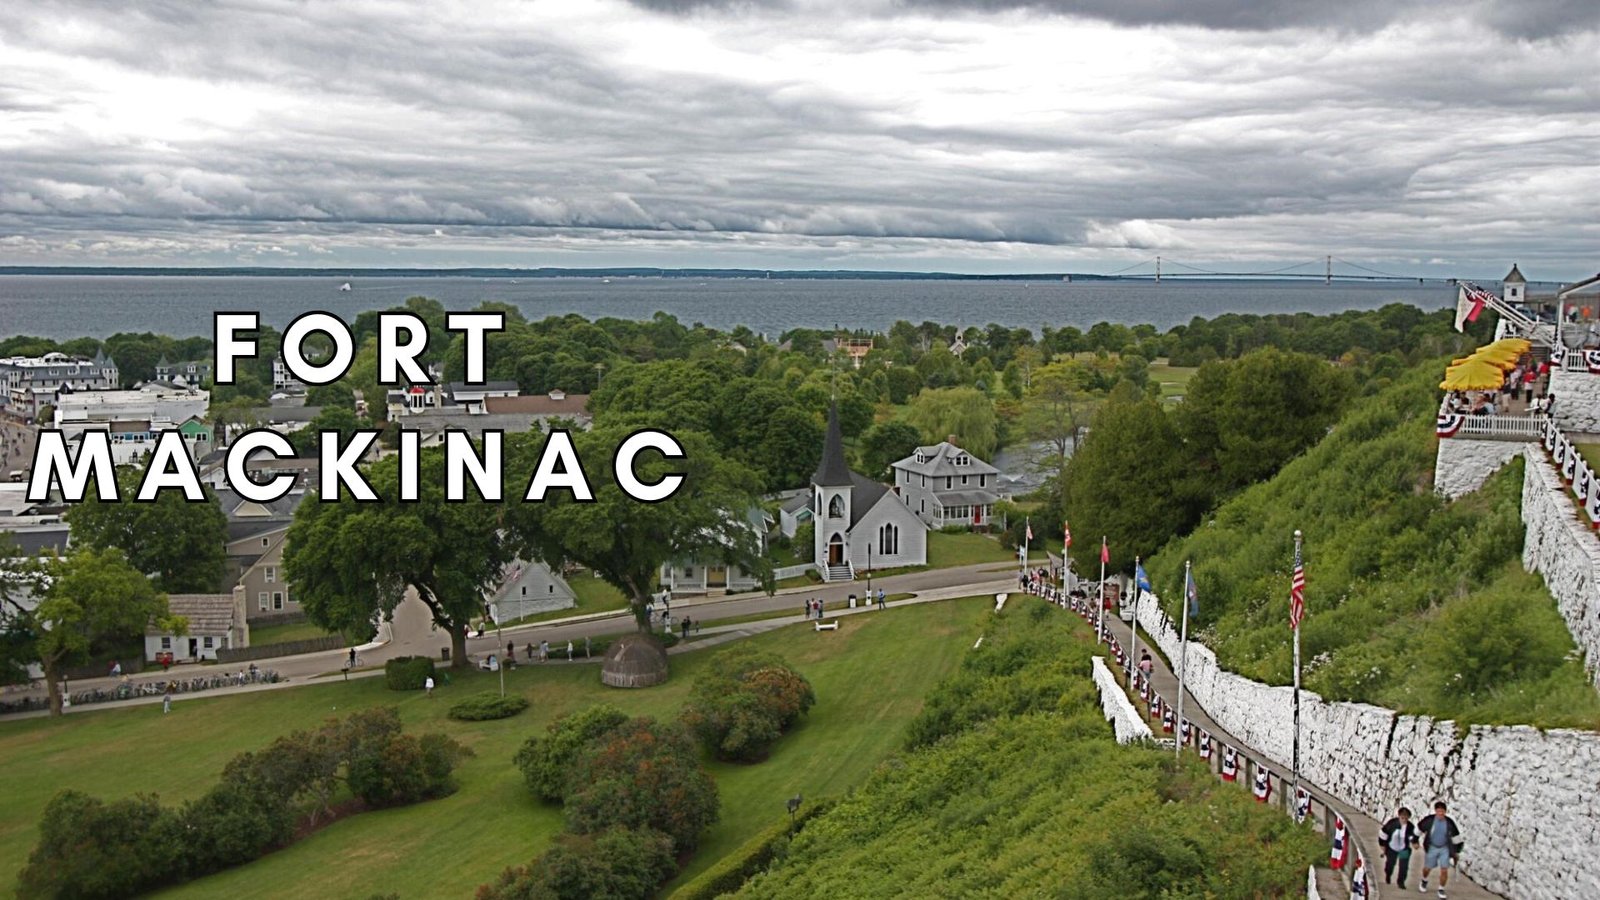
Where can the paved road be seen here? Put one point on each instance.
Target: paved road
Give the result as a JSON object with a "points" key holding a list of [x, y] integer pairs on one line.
{"points": [[1364, 826], [412, 632]]}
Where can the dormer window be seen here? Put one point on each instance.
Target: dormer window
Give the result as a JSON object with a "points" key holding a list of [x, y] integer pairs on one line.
{"points": [[962, 459]]}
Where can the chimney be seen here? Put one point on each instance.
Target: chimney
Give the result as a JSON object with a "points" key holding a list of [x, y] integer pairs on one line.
{"points": [[953, 441]]}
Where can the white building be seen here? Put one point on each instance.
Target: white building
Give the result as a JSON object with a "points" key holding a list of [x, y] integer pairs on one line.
{"points": [[215, 621], [76, 412], [860, 523], [28, 384], [945, 485]]}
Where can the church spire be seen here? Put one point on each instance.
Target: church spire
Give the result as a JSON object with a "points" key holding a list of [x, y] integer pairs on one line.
{"points": [[832, 471]]}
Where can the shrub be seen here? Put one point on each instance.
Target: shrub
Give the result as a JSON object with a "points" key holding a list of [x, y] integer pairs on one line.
{"points": [[768, 847], [641, 774], [91, 849], [230, 825], [544, 761], [743, 702], [405, 769], [620, 863], [488, 705], [407, 673]]}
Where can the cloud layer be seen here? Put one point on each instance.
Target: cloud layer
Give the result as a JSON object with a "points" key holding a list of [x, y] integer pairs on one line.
{"points": [[966, 134]]}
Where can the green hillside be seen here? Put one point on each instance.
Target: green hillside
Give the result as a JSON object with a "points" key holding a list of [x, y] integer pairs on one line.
{"points": [[1024, 793], [1412, 602]]}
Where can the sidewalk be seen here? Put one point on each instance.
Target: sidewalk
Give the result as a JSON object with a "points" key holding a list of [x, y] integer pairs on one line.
{"points": [[1362, 826]]}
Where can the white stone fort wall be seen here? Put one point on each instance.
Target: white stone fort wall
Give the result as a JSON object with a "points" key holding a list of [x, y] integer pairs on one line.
{"points": [[1577, 401], [1126, 722], [1462, 465], [1528, 801], [1560, 545]]}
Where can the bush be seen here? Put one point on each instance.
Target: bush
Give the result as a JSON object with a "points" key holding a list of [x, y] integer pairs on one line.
{"points": [[405, 769], [91, 849], [753, 856], [488, 705], [642, 774], [743, 702], [544, 761], [620, 864], [407, 673]]}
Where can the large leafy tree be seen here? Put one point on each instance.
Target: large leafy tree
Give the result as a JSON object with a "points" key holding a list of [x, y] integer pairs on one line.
{"points": [[885, 444], [93, 596], [178, 543], [1130, 481], [19, 581], [967, 413], [626, 541], [352, 562]]}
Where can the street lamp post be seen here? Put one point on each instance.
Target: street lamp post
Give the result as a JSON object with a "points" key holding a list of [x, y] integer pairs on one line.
{"points": [[869, 573]]}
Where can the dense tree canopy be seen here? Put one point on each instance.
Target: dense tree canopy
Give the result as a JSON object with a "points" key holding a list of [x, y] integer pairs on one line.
{"points": [[178, 543], [93, 596]]}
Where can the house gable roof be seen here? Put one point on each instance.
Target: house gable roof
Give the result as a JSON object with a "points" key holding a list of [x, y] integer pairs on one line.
{"points": [[207, 614], [940, 460]]}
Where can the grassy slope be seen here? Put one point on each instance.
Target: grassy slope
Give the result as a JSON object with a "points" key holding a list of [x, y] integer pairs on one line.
{"points": [[870, 678], [1409, 598], [283, 634]]}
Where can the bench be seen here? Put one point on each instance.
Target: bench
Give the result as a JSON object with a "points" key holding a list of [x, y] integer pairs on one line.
{"points": [[828, 626]]}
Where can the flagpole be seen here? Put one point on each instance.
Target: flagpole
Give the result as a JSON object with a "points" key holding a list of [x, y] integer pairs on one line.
{"points": [[1101, 628], [1066, 544], [1027, 529], [1133, 629], [1183, 654], [1296, 760]]}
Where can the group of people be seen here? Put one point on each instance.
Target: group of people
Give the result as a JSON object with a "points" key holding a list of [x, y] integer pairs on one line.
{"points": [[1437, 836]]}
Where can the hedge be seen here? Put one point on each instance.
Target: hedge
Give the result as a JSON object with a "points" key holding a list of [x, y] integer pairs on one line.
{"points": [[488, 705], [749, 858], [407, 673]]}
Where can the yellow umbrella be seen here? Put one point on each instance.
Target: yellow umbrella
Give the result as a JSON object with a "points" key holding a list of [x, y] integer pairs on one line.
{"points": [[1475, 375], [1520, 345]]}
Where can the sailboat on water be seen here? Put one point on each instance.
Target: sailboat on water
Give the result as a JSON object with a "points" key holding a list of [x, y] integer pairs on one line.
{"points": [[345, 287]]}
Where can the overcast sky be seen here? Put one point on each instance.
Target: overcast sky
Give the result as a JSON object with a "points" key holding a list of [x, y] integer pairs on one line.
{"points": [[1439, 136]]}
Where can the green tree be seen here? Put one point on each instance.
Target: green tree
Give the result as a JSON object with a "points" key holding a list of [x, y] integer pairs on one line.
{"points": [[886, 443], [1243, 419], [352, 562], [178, 543], [341, 419], [625, 542], [1130, 481], [94, 595], [963, 412], [1059, 407]]}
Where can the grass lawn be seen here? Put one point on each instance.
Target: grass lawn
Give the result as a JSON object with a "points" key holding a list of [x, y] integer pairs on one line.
{"points": [[1590, 454], [963, 549], [870, 677], [1174, 380], [283, 634]]}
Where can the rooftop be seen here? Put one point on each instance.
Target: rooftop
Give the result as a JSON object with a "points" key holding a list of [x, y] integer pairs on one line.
{"points": [[208, 614]]}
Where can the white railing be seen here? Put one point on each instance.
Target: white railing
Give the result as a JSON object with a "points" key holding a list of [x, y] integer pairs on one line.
{"points": [[1512, 427], [779, 573]]}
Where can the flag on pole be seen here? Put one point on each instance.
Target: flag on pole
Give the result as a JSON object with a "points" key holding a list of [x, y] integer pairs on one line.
{"points": [[1191, 593], [1341, 844], [1297, 592], [1263, 786], [1140, 579], [1066, 533], [1029, 538], [1105, 552]]}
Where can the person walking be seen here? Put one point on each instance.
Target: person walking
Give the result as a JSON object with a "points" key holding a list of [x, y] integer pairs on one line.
{"points": [[569, 651], [166, 699], [1441, 844], [1399, 836], [544, 651], [882, 604], [1145, 663], [352, 664], [684, 626], [428, 685]]}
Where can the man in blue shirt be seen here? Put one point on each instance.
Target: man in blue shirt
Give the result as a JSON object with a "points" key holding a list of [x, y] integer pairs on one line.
{"points": [[1441, 844]]}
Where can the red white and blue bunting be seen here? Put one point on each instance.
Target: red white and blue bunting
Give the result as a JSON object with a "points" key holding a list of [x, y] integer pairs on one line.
{"points": [[1448, 424]]}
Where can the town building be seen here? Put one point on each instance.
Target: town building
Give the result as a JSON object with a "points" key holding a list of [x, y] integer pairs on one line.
{"points": [[705, 574], [945, 485], [190, 373], [859, 523], [30, 383], [214, 622]]}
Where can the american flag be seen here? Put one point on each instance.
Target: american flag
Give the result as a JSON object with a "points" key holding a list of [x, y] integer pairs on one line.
{"points": [[1297, 592]]}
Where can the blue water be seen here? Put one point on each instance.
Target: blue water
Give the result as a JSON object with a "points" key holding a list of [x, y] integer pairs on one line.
{"points": [[65, 306]]}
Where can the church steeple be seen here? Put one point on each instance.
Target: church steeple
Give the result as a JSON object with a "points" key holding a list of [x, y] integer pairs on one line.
{"points": [[832, 471]]}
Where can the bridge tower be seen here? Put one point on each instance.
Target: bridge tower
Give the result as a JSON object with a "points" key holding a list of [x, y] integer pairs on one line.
{"points": [[1158, 270]]}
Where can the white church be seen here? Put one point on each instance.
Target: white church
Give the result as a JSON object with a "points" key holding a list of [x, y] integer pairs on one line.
{"points": [[860, 524]]}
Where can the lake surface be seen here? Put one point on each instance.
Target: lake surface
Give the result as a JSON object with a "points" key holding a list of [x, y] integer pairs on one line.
{"points": [[66, 306]]}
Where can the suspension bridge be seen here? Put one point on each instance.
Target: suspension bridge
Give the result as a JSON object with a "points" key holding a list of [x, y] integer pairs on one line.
{"points": [[1327, 270]]}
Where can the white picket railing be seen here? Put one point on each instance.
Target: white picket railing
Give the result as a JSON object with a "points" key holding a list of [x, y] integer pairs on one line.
{"points": [[1517, 427]]}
